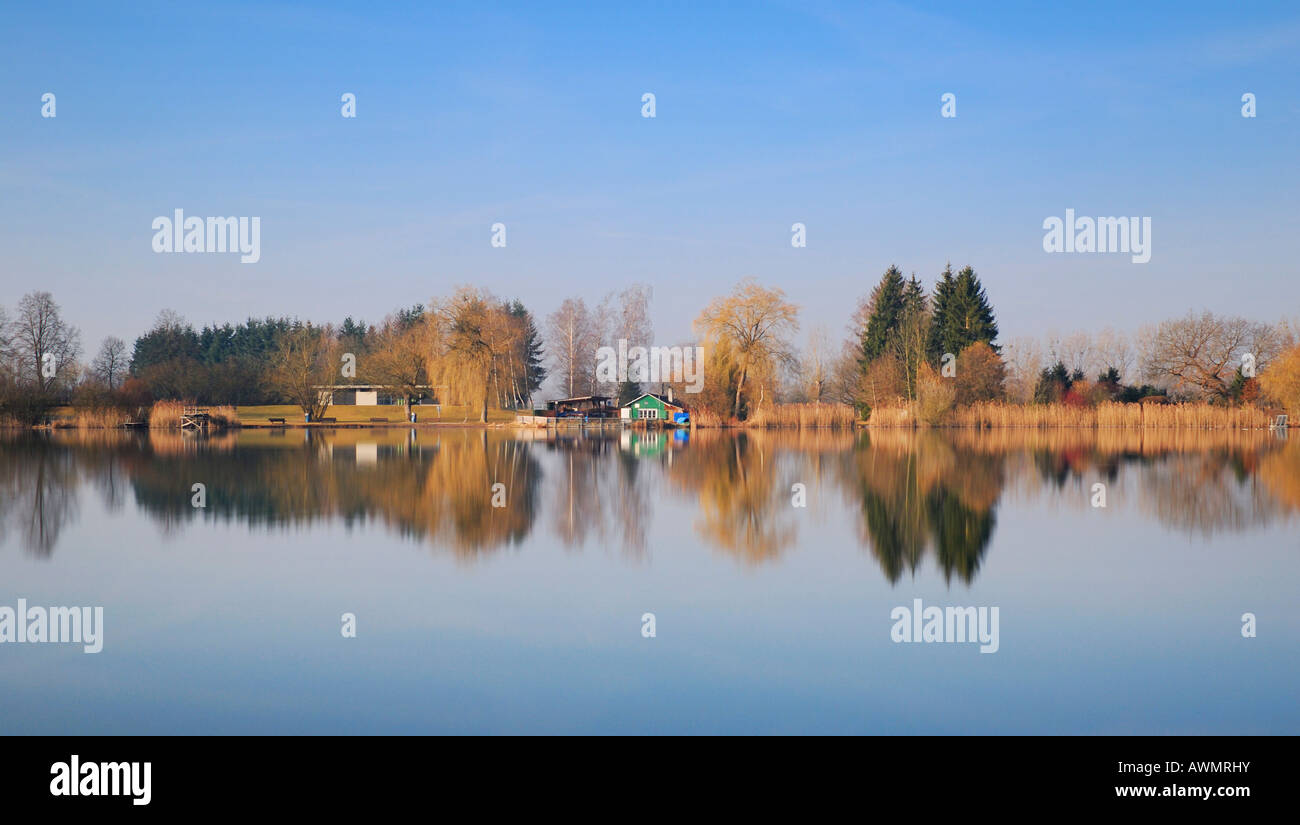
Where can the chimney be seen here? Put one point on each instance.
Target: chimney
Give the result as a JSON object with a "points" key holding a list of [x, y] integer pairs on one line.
{"points": [[670, 395]]}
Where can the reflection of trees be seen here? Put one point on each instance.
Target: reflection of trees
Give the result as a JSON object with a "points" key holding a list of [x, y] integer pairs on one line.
{"points": [[919, 493], [1194, 481], [743, 509], [1204, 493], [38, 492], [598, 493], [1279, 471], [439, 489], [914, 493]]}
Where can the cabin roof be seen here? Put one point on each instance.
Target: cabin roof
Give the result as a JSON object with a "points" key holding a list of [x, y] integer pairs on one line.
{"points": [[658, 398]]}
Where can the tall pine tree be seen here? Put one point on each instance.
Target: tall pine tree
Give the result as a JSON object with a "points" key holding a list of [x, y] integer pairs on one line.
{"points": [[962, 315], [886, 306], [532, 355], [940, 303]]}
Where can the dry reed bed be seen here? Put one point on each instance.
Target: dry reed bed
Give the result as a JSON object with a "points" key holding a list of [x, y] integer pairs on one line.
{"points": [[166, 415], [803, 416], [1114, 440], [994, 414], [776, 416], [102, 419]]}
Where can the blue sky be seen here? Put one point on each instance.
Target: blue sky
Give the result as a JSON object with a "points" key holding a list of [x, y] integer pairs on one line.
{"points": [[767, 114]]}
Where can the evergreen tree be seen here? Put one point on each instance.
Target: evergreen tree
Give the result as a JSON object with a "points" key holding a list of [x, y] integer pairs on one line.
{"points": [[886, 308], [940, 305], [628, 391], [913, 297], [974, 316], [962, 315], [1053, 383], [170, 339], [533, 355]]}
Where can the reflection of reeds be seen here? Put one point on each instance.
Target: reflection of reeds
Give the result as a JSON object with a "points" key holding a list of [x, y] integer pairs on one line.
{"points": [[1112, 441], [1280, 473], [1109, 414], [176, 442]]}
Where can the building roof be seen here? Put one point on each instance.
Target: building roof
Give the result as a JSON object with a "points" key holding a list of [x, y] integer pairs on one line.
{"points": [[578, 398], [658, 398]]}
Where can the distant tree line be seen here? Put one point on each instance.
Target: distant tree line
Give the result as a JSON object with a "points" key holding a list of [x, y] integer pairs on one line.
{"points": [[906, 346]]}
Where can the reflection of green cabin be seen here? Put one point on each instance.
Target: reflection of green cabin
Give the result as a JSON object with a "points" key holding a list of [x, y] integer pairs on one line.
{"points": [[651, 407], [643, 444]]}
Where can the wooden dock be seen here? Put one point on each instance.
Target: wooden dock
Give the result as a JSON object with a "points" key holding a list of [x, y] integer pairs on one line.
{"points": [[554, 422], [194, 418]]}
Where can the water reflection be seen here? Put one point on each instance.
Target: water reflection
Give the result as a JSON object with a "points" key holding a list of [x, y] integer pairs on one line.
{"points": [[910, 496], [921, 493]]}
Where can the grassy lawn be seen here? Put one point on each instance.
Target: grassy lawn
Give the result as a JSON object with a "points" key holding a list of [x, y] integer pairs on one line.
{"points": [[348, 414]]}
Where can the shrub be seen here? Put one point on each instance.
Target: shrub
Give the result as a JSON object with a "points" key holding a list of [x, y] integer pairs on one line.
{"points": [[934, 397]]}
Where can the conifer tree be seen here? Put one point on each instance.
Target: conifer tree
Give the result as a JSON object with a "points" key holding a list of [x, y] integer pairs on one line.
{"points": [[940, 301], [962, 315], [886, 307]]}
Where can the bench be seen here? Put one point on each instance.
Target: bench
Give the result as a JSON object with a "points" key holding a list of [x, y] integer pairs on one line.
{"points": [[380, 421], [278, 421], [327, 421]]}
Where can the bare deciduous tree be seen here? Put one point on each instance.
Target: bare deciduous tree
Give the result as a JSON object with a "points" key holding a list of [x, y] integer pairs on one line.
{"points": [[399, 356], [1024, 360], [1114, 352], [817, 367], [624, 315], [1200, 354], [305, 359], [110, 364], [573, 333], [1077, 352], [45, 349]]}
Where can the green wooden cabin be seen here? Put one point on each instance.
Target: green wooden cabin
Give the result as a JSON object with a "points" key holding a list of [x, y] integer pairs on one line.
{"points": [[649, 407]]}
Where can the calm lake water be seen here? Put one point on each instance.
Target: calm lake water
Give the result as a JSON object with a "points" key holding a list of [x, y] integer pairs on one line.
{"points": [[768, 617]]}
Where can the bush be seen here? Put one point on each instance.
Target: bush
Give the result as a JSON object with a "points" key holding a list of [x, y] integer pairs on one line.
{"points": [[934, 397], [980, 374], [1280, 381]]}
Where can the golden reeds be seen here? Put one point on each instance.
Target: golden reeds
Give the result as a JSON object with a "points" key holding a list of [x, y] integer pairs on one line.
{"points": [[998, 414], [803, 416], [108, 418], [167, 415]]}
